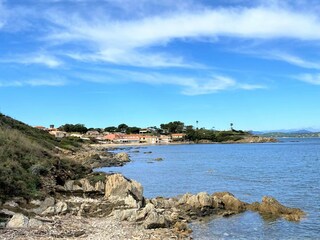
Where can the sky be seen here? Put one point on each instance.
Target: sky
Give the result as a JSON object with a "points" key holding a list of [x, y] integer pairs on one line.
{"points": [[101, 63]]}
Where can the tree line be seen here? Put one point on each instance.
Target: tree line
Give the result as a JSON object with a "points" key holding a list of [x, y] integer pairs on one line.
{"points": [[192, 133]]}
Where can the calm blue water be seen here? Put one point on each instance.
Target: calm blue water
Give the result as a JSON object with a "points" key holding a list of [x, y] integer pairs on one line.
{"points": [[288, 171]]}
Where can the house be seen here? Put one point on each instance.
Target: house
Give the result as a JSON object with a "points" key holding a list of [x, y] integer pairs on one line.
{"points": [[165, 139], [178, 136], [93, 134], [113, 136], [144, 131], [149, 139]]}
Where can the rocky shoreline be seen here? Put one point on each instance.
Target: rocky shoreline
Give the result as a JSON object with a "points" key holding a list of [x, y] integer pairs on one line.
{"points": [[110, 206]]}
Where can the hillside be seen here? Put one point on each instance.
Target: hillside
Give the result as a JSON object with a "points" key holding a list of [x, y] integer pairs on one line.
{"points": [[29, 161]]}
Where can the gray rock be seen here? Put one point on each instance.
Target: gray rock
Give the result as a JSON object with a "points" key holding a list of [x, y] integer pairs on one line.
{"points": [[49, 211], [122, 156], [61, 207], [118, 188], [99, 186], [11, 204], [48, 202], [69, 185], [86, 186], [18, 221], [33, 223]]}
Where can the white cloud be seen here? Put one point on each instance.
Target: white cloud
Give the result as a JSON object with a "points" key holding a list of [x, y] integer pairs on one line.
{"points": [[39, 58], [127, 41], [294, 60], [189, 85], [313, 79], [54, 82], [3, 14]]}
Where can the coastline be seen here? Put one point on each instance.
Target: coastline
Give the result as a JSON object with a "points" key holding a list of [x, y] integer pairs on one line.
{"points": [[119, 226]]}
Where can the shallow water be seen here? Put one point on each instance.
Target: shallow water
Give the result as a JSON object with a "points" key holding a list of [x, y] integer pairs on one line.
{"points": [[288, 171]]}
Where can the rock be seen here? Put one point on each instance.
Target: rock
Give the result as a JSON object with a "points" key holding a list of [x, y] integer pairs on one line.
{"points": [[122, 156], [126, 214], [155, 220], [48, 212], [86, 186], [60, 207], [118, 188], [11, 204], [33, 223], [48, 202], [99, 186], [229, 202], [18, 221], [182, 227], [69, 185], [200, 200], [270, 206], [35, 202], [161, 202]]}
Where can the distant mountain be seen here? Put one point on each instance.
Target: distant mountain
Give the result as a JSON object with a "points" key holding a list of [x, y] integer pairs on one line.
{"points": [[288, 131]]}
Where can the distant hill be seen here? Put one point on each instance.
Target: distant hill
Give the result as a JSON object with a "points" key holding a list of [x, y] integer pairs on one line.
{"points": [[298, 133], [28, 160]]}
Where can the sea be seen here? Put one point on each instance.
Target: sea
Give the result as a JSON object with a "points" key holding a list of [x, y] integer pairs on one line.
{"points": [[288, 170]]}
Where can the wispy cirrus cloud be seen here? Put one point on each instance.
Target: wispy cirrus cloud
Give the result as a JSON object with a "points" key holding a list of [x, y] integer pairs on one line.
{"points": [[294, 60], [94, 34], [127, 41], [313, 79], [49, 82], [38, 58], [188, 85]]}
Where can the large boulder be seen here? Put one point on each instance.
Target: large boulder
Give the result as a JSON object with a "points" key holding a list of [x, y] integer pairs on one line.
{"points": [[153, 217], [198, 201], [228, 201], [120, 189], [122, 157], [271, 207], [18, 221]]}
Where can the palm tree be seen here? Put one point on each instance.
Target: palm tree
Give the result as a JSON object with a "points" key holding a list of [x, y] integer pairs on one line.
{"points": [[197, 124], [231, 126]]}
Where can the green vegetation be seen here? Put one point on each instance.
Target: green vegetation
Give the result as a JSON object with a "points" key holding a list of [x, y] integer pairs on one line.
{"points": [[28, 161], [214, 136], [74, 128], [173, 127]]}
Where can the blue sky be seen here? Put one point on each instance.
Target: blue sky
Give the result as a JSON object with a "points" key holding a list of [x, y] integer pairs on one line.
{"points": [[146, 62]]}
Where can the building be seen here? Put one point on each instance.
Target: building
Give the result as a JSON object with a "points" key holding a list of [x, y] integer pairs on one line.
{"points": [[165, 139], [178, 136], [149, 139], [144, 131]]}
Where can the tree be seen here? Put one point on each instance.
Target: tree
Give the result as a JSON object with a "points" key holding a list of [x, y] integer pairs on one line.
{"points": [[111, 129], [173, 127], [122, 127], [74, 128], [131, 130]]}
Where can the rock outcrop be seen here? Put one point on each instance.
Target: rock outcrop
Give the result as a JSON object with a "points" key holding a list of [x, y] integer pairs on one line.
{"points": [[270, 207], [120, 189], [123, 200], [122, 157]]}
